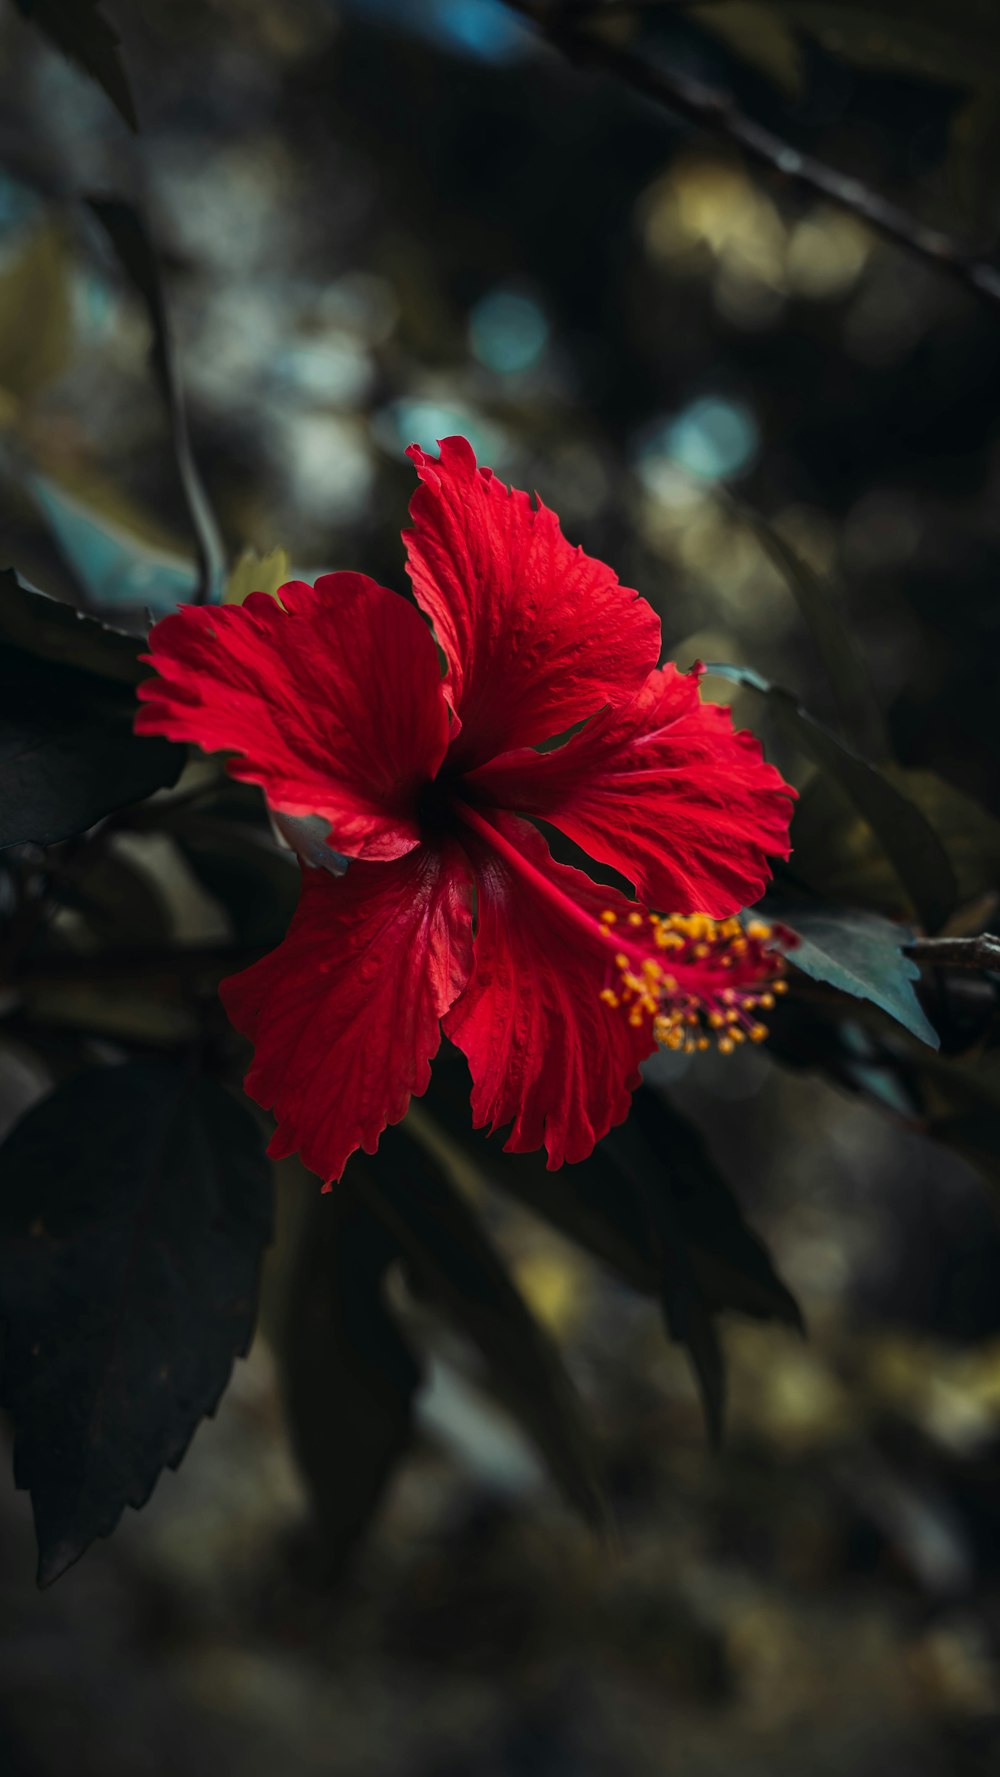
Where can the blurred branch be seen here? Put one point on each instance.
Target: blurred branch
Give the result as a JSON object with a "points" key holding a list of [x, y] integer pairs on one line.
{"points": [[606, 9], [982, 952], [565, 24]]}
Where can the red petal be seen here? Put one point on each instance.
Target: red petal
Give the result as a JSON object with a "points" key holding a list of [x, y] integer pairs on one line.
{"points": [[544, 1050], [333, 704], [537, 634], [665, 792], [344, 1014]]}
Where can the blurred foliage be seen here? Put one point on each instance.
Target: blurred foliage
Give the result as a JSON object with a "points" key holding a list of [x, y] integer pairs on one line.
{"points": [[343, 227]]}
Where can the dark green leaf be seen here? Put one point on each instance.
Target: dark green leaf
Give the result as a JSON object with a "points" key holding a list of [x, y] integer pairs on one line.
{"points": [[51, 630], [862, 954], [836, 853], [649, 1202], [129, 236], [79, 30], [349, 1375], [731, 1263], [686, 1310], [135, 1206], [901, 828], [455, 1262], [68, 755], [968, 832], [706, 1254]]}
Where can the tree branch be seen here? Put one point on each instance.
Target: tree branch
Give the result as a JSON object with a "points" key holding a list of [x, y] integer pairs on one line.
{"points": [[982, 952], [565, 24]]}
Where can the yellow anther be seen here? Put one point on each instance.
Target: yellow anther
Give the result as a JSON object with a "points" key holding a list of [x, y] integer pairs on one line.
{"points": [[688, 1008]]}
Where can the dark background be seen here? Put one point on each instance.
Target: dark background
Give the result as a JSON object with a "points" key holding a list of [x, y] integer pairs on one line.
{"points": [[386, 222]]}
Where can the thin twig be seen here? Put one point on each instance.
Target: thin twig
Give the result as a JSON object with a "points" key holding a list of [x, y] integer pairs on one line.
{"points": [[982, 952], [717, 113]]}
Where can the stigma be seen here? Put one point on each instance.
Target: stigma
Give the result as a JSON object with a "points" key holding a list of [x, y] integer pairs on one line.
{"points": [[701, 982]]}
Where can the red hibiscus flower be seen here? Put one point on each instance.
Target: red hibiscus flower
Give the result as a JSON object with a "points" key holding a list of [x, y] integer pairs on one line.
{"points": [[453, 912]]}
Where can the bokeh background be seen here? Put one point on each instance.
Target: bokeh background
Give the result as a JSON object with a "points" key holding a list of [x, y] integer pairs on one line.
{"points": [[386, 221]]}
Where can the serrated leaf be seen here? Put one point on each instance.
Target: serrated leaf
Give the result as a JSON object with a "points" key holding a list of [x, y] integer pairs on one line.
{"points": [[862, 954], [51, 630], [650, 1203], [135, 1207], [465, 1277], [68, 755], [79, 30], [690, 1206], [902, 830], [733, 1266]]}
